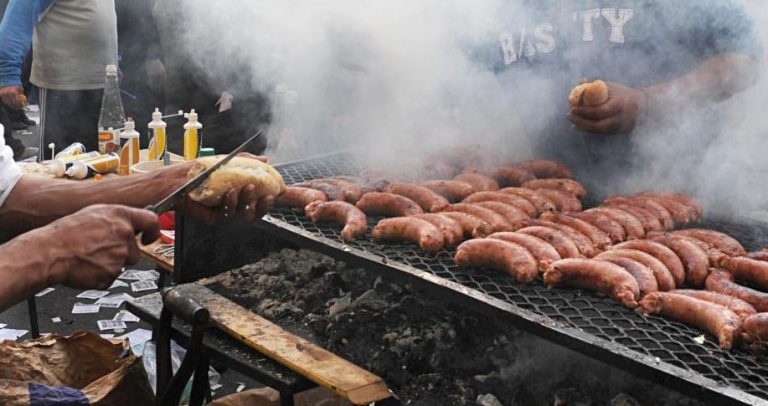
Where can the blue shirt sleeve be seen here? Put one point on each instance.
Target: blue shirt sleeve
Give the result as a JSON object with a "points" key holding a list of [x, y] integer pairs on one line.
{"points": [[16, 36], [721, 26]]}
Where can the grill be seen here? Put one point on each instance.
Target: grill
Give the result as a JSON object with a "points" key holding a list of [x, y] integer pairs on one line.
{"points": [[652, 347]]}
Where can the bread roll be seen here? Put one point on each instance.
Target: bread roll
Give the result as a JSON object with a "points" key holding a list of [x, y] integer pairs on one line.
{"points": [[589, 94], [235, 174]]}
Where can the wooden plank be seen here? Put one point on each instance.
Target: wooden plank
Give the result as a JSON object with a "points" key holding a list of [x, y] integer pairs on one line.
{"points": [[163, 262], [317, 364]]}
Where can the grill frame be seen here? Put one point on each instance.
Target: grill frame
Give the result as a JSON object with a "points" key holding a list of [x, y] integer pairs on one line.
{"points": [[591, 328]]}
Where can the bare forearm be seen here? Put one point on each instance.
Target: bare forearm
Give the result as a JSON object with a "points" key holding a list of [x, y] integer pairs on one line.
{"points": [[35, 201], [23, 274]]}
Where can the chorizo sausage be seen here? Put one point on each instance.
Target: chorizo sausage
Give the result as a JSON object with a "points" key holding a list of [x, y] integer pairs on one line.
{"points": [[722, 282], [398, 229], [354, 220], [720, 241], [453, 190], [642, 274], [498, 255], [610, 227], [714, 255], [663, 277], [543, 251], [758, 255], [695, 260], [430, 201], [496, 220], [388, 204], [565, 185], [517, 201], [547, 169], [680, 213], [452, 231], [512, 175], [542, 203], [600, 276], [714, 318], [756, 328], [565, 202], [511, 213], [299, 197], [473, 226], [749, 270], [583, 243], [564, 245], [367, 186], [692, 205], [598, 237], [480, 183], [662, 214], [649, 221], [661, 252], [344, 190], [742, 309], [632, 226]]}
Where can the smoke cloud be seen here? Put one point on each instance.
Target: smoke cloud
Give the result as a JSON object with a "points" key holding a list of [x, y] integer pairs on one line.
{"points": [[398, 78]]}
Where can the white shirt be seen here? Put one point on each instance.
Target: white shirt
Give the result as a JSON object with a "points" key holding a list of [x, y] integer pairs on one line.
{"points": [[9, 171]]}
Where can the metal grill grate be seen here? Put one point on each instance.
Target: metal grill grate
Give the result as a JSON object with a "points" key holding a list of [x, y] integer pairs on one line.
{"points": [[660, 340]]}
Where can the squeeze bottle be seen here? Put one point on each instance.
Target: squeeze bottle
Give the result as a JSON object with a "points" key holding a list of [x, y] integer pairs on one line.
{"points": [[129, 153], [193, 136], [158, 143]]}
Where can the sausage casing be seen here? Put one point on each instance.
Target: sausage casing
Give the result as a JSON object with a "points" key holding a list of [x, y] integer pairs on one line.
{"points": [[453, 233], [564, 245], [608, 225], [398, 229], [541, 202], [633, 227], [474, 227], [498, 255], [338, 189], [496, 220], [429, 201], [543, 251], [599, 238], [512, 175], [720, 241], [565, 185], [722, 282], [583, 243], [299, 197], [661, 252], [743, 309], [388, 204], [695, 260], [749, 270], [680, 213], [662, 214], [565, 202], [517, 201], [453, 190], [690, 203], [510, 212], [480, 183], [600, 276], [663, 277], [354, 220], [642, 274], [544, 169], [756, 328], [650, 222]]}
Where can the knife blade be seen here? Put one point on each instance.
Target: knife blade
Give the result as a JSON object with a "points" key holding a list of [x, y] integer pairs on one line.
{"points": [[168, 202]]}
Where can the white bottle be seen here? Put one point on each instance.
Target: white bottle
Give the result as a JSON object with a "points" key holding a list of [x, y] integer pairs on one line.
{"points": [[129, 153], [158, 143]]}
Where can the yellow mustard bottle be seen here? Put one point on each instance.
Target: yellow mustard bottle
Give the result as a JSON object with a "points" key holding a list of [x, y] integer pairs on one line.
{"points": [[129, 153], [192, 136], [158, 143]]}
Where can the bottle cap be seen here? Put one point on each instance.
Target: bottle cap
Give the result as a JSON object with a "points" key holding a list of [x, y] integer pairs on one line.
{"points": [[191, 116], [112, 69], [78, 170], [207, 152], [130, 125], [157, 115]]}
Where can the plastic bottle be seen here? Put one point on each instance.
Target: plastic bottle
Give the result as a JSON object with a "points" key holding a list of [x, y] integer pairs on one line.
{"points": [[112, 113], [57, 167], [158, 143], [72, 150], [87, 169], [129, 153], [193, 136]]}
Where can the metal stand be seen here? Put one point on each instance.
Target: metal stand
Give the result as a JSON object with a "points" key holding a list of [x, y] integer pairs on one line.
{"points": [[34, 329]]}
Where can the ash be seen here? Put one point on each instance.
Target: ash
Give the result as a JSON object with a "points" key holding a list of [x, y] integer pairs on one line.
{"points": [[429, 352]]}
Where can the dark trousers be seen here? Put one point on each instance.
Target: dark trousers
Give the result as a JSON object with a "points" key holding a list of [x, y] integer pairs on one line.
{"points": [[69, 116]]}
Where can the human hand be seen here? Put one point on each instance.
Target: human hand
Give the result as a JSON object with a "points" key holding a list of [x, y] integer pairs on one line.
{"points": [[11, 96], [619, 115], [90, 248]]}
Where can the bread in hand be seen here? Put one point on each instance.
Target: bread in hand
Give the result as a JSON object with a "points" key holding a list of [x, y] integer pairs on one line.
{"points": [[589, 94], [235, 174]]}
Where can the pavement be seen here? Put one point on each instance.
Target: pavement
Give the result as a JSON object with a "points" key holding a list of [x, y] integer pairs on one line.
{"points": [[54, 309]]}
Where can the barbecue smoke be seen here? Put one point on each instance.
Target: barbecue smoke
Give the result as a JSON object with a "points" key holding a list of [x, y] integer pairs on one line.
{"points": [[398, 79]]}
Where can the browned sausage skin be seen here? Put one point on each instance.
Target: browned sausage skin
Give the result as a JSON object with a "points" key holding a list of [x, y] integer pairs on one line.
{"points": [[453, 233], [756, 329], [299, 197], [680, 213], [695, 259], [598, 237], [716, 319], [542, 203], [610, 227], [600, 276], [565, 202], [663, 277], [388, 204], [340, 189], [511, 175], [662, 214], [398, 229], [720, 241], [517, 201], [498, 255], [429, 201], [738, 306], [632, 226], [565, 185], [692, 205], [543, 251], [749, 270], [480, 183], [544, 169], [564, 245], [511, 213], [661, 252], [354, 220], [453, 190], [722, 282], [758, 255], [496, 220], [650, 222], [642, 274], [473, 226], [583, 243]]}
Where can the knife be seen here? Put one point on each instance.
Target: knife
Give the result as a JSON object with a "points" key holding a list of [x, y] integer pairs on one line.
{"points": [[167, 203]]}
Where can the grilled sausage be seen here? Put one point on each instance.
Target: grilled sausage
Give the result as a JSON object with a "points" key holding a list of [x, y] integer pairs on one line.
{"points": [[758, 255], [453, 190], [473, 226], [517, 201], [680, 213], [388, 204], [692, 205], [452, 231], [662, 214], [398, 229], [598, 237], [565, 202], [354, 220], [542, 203], [722, 282], [480, 183], [650, 222], [695, 260], [547, 169], [714, 318], [340, 189], [510, 212], [498, 255], [608, 225], [663, 277], [565, 185], [430, 201], [749, 270], [661, 252], [496, 220], [632, 226], [742, 309], [366, 185], [756, 328], [512, 175], [583, 243], [642, 274], [543, 251], [299, 197], [714, 255], [600, 276], [720, 241], [564, 245]]}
